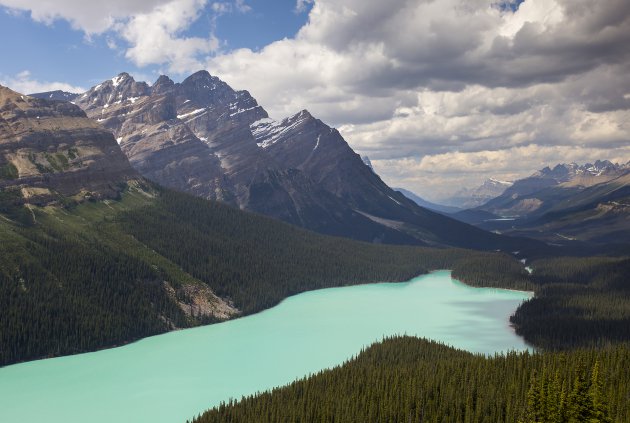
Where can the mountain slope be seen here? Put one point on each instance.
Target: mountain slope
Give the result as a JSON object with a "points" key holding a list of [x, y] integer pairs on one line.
{"points": [[539, 192], [202, 137], [196, 137]]}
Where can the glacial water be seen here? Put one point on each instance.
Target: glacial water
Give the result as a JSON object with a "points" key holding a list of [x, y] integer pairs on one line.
{"points": [[172, 377]]}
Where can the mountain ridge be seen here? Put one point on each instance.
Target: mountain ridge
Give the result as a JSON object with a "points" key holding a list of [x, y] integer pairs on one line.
{"points": [[203, 137]]}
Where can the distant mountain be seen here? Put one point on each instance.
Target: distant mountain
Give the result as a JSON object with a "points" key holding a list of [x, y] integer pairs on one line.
{"points": [[203, 137], [566, 203], [598, 213], [57, 95], [427, 204], [468, 198], [539, 192]]}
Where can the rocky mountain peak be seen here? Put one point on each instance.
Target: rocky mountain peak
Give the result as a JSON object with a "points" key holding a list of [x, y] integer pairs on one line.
{"points": [[163, 84], [199, 75], [206, 90], [565, 172], [119, 89]]}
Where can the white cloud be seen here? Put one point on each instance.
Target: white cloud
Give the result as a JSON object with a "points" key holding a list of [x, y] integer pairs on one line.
{"points": [[155, 36], [93, 17], [25, 84], [408, 79], [152, 31]]}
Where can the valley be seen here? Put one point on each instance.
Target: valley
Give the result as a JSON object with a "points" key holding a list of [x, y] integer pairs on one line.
{"points": [[198, 221]]}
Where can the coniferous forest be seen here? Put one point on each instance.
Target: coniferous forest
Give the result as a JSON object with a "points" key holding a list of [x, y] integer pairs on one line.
{"points": [[407, 379], [82, 277]]}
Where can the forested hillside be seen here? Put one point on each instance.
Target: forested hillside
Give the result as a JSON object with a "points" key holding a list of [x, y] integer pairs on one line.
{"points": [[408, 379], [78, 277]]}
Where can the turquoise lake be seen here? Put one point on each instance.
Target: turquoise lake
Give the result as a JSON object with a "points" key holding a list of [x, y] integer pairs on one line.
{"points": [[172, 377]]}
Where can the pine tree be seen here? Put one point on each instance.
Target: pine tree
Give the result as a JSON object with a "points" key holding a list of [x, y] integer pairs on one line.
{"points": [[600, 412]]}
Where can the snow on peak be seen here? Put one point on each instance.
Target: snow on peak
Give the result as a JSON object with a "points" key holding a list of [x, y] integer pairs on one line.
{"points": [[118, 79], [235, 109]]}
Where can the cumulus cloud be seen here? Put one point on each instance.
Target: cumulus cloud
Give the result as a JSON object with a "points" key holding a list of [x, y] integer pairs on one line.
{"points": [[411, 82], [24, 83], [151, 31], [155, 38], [93, 17]]}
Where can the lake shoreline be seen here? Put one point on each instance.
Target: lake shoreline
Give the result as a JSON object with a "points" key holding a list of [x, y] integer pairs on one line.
{"points": [[178, 374]]}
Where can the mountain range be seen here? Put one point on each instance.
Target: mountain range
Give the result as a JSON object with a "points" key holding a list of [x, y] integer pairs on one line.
{"points": [[566, 203], [202, 137]]}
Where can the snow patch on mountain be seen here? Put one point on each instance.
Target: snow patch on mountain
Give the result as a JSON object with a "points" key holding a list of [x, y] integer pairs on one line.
{"points": [[268, 131], [194, 112], [117, 80]]}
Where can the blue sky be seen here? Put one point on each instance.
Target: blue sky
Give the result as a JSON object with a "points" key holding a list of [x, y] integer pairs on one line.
{"points": [[439, 94], [54, 51]]}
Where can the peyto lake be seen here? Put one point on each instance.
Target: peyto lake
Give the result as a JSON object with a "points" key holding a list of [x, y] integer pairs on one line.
{"points": [[173, 377]]}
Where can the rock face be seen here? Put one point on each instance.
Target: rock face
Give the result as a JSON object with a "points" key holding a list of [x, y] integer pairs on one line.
{"points": [[203, 137], [50, 148]]}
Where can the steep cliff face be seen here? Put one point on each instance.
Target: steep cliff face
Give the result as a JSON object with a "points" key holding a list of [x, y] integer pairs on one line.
{"points": [[50, 148]]}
